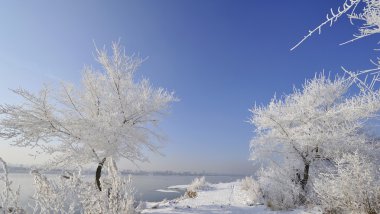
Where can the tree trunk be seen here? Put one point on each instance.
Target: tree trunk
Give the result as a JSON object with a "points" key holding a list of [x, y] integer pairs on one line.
{"points": [[303, 182], [305, 176], [99, 174]]}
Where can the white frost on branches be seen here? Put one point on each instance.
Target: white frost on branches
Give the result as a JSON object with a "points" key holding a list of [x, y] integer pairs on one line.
{"points": [[371, 18], [111, 115], [370, 15]]}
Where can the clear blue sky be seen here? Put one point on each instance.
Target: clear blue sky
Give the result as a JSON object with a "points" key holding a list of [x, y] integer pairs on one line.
{"points": [[220, 57]]}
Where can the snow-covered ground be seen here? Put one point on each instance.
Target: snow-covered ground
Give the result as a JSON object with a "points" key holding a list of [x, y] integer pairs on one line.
{"points": [[219, 198]]}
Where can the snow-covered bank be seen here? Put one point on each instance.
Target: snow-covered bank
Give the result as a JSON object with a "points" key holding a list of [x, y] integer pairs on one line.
{"points": [[220, 198]]}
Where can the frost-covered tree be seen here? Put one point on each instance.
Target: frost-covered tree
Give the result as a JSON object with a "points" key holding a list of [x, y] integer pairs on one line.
{"points": [[314, 125], [344, 180], [112, 115]]}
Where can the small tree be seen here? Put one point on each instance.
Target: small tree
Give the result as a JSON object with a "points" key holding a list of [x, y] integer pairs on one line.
{"points": [[111, 116], [316, 124]]}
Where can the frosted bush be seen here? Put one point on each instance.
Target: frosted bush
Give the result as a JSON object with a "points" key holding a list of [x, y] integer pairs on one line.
{"points": [[353, 187], [252, 188], [70, 194], [279, 191], [246, 183], [198, 183], [56, 196], [9, 198]]}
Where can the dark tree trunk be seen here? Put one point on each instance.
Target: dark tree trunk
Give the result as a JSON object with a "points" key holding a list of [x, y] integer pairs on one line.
{"points": [[305, 176], [303, 182], [99, 174]]}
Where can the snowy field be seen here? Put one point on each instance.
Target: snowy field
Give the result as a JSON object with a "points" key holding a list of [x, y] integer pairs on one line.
{"points": [[219, 198]]}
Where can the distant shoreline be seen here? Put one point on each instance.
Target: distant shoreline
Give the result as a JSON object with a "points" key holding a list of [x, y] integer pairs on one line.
{"points": [[26, 170]]}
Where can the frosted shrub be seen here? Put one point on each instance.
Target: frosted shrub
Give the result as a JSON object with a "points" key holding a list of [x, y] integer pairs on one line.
{"points": [[352, 187], [252, 188], [9, 198], [279, 191], [247, 183], [70, 194], [198, 183], [55, 196]]}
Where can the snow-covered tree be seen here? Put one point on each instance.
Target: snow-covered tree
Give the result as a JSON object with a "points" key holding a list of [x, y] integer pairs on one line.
{"points": [[339, 136], [314, 125], [112, 115]]}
